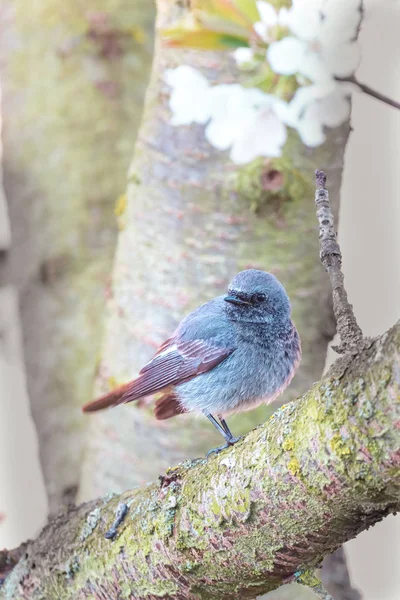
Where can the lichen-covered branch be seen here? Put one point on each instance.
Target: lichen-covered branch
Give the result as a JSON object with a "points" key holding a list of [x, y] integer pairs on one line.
{"points": [[351, 338], [309, 580], [322, 593], [331, 257], [321, 470]]}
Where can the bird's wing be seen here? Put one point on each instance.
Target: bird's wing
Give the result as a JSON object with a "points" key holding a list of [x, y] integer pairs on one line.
{"points": [[174, 363]]}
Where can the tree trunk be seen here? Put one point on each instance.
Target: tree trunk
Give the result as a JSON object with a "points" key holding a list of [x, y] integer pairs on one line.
{"points": [[264, 512], [73, 77], [5, 230], [192, 220]]}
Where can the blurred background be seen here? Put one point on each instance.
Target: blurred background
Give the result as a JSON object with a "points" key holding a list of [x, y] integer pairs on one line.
{"points": [[74, 195]]}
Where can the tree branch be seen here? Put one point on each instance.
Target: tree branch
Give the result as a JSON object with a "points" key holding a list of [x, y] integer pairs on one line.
{"points": [[369, 91], [309, 580], [321, 592], [351, 335], [322, 469], [331, 257]]}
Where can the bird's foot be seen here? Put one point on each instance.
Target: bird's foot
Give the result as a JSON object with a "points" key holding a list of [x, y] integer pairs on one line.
{"points": [[229, 442], [233, 440]]}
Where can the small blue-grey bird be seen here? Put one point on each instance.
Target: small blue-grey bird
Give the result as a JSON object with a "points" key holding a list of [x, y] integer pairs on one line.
{"points": [[227, 356]]}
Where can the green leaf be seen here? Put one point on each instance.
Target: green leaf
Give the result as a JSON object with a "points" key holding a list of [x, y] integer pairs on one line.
{"points": [[213, 22], [249, 9], [227, 10], [202, 39]]}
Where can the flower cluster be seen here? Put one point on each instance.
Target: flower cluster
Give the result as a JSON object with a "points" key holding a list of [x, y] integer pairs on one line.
{"points": [[243, 119], [318, 48]]}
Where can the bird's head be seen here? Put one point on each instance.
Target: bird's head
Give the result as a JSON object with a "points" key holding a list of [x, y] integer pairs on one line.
{"points": [[256, 297]]}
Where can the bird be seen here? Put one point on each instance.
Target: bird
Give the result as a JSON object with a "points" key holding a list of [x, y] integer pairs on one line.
{"points": [[227, 356]]}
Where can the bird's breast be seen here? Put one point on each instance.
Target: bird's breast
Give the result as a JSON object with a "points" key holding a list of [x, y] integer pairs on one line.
{"points": [[251, 375]]}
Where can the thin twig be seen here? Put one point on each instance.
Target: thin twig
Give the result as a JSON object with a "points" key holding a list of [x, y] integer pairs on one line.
{"points": [[321, 592], [366, 89], [351, 337], [309, 579]]}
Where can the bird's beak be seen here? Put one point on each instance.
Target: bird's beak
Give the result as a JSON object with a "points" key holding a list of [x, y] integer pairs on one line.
{"points": [[235, 300]]}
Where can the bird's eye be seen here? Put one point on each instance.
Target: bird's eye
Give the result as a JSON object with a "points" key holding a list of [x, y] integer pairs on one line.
{"points": [[258, 298]]}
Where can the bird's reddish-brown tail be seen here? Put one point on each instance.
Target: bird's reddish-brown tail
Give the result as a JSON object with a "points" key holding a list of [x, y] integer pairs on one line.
{"points": [[107, 400]]}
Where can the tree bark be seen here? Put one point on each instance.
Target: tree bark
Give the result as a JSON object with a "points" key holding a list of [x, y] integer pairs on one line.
{"points": [[73, 76], [193, 219], [321, 470]]}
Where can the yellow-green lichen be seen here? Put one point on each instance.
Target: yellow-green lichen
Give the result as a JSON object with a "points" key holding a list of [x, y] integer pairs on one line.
{"points": [[294, 466], [288, 445], [215, 507], [339, 446], [308, 578], [120, 205]]}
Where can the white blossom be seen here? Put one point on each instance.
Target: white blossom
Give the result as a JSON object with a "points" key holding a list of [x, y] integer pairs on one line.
{"points": [[242, 119], [243, 56], [251, 123], [268, 19], [313, 108], [189, 98], [265, 136], [323, 44]]}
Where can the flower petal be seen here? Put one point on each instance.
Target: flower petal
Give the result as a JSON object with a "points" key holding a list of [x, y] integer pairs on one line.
{"points": [[283, 17], [265, 136], [185, 75], [243, 55], [310, 128], [304, 18], [231, 109], [341, 60], [262, 30], [291, 112], [189, 96], [314, 67], [235, 118], [267, 12], [286, 55], [219, 134], [341, 21]]}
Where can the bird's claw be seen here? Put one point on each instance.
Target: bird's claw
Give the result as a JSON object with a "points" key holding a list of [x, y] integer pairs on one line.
{"points": [[229, 442], [233, 440]]}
